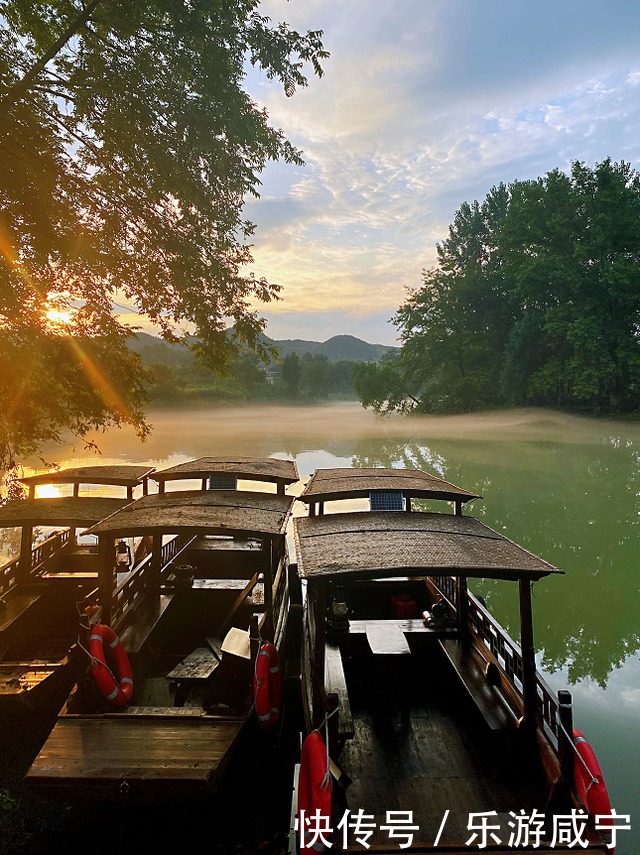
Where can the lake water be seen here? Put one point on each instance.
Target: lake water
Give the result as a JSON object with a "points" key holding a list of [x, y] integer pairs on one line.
{"points": [[565, 487]]}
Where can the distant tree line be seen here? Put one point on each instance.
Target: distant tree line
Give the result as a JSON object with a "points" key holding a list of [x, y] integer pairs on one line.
{"points": [[535, 300], [306, 378]]}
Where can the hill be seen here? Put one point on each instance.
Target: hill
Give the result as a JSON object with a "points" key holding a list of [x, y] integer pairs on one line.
{"points": [[338, 348]]}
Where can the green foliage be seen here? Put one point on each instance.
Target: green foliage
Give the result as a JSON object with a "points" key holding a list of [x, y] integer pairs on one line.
{"points": [[291, 373], [534, 300], [128, 146]]}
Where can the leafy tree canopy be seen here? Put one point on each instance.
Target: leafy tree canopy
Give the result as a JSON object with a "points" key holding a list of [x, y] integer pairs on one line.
{"points": [[128, 146], [535, 300]]}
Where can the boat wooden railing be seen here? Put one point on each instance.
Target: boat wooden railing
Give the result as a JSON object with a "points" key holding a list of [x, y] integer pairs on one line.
{"points": [[43, 551], [132, 591], [506, 654], [173, 549], [280, 605], [39, 555]]}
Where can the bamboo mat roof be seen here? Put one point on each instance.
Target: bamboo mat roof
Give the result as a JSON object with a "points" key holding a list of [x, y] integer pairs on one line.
{"points": [[114, 475], [61, 510], [395, 543], [252, 468], [214, 511], [328, 484]]}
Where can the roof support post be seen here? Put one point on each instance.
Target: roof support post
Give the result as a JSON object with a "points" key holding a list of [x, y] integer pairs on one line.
{"points": [[529, 683], [268, 629], [565, 743], [319, 652], [458, 506], [106, 575], [462, 596], [24, 567], [156, 566]]}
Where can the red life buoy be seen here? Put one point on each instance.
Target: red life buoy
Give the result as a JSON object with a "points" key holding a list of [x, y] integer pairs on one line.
{"points": [[590, 784], [117, 691], [267, 687], [314, 789]]}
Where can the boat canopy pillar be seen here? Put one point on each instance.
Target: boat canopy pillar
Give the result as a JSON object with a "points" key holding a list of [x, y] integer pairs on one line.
{"points": [[24, 566], [106, 575], [320, 602], [463, 610], [529, 683]]}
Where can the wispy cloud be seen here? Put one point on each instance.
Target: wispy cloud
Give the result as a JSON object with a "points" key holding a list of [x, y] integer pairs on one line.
{"points": [[424, 106]]}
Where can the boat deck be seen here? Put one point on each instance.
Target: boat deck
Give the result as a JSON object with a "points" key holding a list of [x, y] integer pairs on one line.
{"points": [[420, 746], [155, 754]]}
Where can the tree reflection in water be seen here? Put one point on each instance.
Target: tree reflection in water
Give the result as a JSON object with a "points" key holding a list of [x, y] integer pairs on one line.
{"points": [[573, 504]]}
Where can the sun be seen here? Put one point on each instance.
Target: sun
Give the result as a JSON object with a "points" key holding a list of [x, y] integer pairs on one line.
{"points": [[58, 317]]}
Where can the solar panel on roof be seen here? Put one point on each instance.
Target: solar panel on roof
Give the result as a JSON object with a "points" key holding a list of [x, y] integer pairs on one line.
{"points": [[222, 481], [386, 500]]}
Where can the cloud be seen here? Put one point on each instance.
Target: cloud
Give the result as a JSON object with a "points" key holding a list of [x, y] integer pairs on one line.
{"points": [[422, 107]]}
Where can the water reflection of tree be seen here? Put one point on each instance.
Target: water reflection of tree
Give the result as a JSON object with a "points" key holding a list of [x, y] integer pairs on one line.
{"points": [[574, 505]]}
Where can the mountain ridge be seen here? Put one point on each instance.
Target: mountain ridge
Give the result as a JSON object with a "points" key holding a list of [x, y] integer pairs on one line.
{"points": [[337, 348]]}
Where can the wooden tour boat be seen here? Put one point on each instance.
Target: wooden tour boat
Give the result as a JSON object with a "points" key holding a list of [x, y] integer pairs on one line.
{"points": [[41, 588], [436, 725], [189, 619]]}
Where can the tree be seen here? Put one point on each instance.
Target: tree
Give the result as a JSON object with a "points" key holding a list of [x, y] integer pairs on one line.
{"points": [[291, 373], [315, 376], [534, 300], [128, 147]]}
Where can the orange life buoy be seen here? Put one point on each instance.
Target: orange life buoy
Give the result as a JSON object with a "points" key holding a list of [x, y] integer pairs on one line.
{"points": [[590, 783], [267, 687], [314, 789], [117, 691]]}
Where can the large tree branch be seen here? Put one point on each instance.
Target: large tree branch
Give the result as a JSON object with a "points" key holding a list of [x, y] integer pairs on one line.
{"points": [[18, 89]]}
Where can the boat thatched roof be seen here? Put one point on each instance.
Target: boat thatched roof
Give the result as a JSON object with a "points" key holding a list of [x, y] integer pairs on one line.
{"points": [[251, 468], [212, 511], [61, 510], [112, 475], [329, 484], [386, 543]]}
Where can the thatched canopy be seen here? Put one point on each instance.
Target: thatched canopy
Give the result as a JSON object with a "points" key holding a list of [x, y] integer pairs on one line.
{"points": [[112, 475], [201, 511], [330, 484], [250, 468], [359, 545], [62, 510]]}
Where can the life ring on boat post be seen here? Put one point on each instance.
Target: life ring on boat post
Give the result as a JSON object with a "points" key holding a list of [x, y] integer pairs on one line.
{"points": [[267, 687], [118, 691], [589, 780], [314, 787]]}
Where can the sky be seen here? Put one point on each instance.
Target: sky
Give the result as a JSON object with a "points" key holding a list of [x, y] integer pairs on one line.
{"points": [[424, 105]]}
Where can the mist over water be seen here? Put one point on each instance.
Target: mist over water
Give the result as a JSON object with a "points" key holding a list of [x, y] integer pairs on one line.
{"points": [[563, 486]]}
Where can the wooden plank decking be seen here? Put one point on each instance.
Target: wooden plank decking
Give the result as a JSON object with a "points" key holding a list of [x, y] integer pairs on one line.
{"points": [[95, 755]]}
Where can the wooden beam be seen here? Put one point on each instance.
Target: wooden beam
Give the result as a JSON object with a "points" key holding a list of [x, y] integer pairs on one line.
{"points": [[463, 610], [565, 743], [156, 565], [529, 684], [106, 575], [320, 605], [24, 567]]}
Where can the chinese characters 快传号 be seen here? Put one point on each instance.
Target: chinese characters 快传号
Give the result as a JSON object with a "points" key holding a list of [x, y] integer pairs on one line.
{"points": [[525, 829]]}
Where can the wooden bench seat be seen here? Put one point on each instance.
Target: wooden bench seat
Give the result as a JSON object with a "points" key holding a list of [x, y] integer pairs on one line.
{"points": [[198, 665], [140, 624], [336, 682], [15, 606], [488, 698]]}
